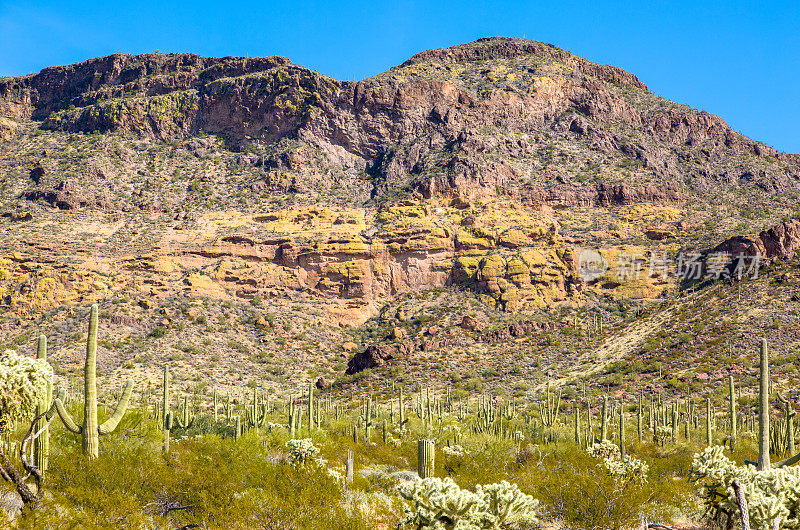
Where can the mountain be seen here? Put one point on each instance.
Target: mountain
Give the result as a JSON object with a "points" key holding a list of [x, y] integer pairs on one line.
{"points": [[251, 219]]}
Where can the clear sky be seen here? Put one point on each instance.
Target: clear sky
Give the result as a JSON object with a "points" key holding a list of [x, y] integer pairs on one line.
{"points": [[737, 59]]}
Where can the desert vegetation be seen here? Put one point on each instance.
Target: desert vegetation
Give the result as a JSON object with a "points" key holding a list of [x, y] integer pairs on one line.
{"points": [[405, 458]]}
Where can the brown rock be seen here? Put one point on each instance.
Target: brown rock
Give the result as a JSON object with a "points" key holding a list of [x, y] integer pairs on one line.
{"points": [[471, 324], [378, 355], [17, 217], [374, 356], [780, 241], [321, 383], [37, 173]]}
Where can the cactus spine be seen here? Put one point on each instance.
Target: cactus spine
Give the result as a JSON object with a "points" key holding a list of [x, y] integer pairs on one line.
{"points": [[90, 431], [763, 409], [42, 444], [425, 452]]}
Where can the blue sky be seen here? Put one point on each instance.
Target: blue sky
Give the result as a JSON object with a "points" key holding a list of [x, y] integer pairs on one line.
{"points": [[736, 60]]}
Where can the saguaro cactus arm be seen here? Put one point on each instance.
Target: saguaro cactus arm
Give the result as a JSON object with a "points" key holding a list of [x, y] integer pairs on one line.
{"points": [[111, 423], [52, 411], [66, 419]]}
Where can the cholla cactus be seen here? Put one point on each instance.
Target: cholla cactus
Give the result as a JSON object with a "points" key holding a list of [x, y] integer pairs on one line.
{"points": [[662, 434], [442, 504], [773, 494], [23, 385], [503, 504], [302, 452], [456, 450], [628, 469], [604, 449]]}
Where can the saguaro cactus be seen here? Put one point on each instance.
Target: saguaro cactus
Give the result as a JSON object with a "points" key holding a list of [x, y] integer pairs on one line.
{"points": [[425, 451], [310, 408], [622, 430], [763, 409], [216, 408], [732, 407], [167, 428], [604, 420], [789, 415], [42, 444], [166, 415], [90, 431]]}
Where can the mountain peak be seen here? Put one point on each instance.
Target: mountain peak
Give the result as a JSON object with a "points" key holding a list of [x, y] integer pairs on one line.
{"points": [[494, 48]]}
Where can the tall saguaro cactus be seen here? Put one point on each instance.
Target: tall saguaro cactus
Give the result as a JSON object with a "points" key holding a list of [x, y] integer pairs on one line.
{"points": [[90, 431], [310, 408], [622, 430], [732, 404], [763, 409], [42, 444], [166, 415], [604, 420]]}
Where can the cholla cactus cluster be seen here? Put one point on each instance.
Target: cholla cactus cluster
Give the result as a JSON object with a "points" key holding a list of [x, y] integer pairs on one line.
{"points": [[391, 440], [628, 468], [772, 494], [23, 384], [441, 504], [302, 453], [603, 450], [662, 434], [455, 450]]}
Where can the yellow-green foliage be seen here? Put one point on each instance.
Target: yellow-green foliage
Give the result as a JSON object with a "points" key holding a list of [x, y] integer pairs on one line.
{"points": [[231, 484]]}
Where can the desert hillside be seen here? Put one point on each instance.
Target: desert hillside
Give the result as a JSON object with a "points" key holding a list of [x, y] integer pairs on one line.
{"points": [[248, 220]]}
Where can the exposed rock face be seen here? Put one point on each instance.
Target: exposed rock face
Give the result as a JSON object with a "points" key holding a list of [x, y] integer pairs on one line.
{"points": [[378, 355], [470, 324], [459, 167], [780, 241], [518, 329], [421, 123]]}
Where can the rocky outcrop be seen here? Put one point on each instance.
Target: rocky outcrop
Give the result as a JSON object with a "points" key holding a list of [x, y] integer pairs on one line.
{"points": [[377, 355], [780, 241], [66, 196], [516, 330], [577, 195]]}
